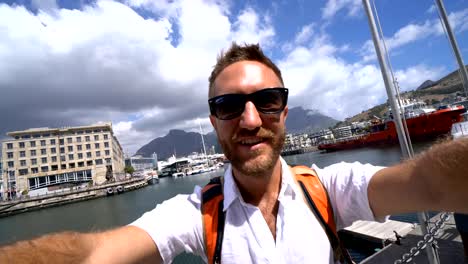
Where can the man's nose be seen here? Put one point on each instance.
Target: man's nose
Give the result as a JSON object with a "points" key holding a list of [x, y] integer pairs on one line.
{"points": [[250, 118]]}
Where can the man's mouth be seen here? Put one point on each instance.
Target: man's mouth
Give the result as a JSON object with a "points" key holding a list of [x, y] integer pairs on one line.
{"points": [[251, 141]]}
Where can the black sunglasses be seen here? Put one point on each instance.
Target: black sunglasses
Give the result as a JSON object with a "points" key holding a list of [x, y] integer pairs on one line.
{"points": [[267, 101]]}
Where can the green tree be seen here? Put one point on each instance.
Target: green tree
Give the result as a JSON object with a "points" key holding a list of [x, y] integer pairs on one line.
{"points": [[129, 169]]}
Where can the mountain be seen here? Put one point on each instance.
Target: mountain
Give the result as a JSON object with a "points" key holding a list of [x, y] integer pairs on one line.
{"points": [[303, 120], [426, 84], [183, 143], [179, 143]]}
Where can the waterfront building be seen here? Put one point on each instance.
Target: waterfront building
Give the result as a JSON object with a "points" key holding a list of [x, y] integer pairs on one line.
{"points": [[140, 163], [39, 160], [342, 132]]}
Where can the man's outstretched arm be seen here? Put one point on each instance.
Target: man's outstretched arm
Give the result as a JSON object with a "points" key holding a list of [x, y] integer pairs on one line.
{"points": [[435, 180], [122, 245]]}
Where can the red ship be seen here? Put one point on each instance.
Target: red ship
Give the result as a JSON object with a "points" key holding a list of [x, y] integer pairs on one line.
{"points": [[423, 124]]}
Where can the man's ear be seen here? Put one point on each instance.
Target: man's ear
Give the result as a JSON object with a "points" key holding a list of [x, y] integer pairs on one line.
{"points": [[213, 122], [285, 112]]}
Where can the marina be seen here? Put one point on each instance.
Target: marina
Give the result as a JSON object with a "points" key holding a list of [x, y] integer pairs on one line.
{"points": [[118, 210]]}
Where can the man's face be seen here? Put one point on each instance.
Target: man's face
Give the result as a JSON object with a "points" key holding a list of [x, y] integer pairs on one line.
{"points": [[252, 141]]}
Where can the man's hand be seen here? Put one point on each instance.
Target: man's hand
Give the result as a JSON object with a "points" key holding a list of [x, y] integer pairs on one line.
{"points": [[435, 180], [123, 245]]}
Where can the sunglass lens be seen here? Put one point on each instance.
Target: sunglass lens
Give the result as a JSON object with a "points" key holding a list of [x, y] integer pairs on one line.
{"points": [[269, 101], [229, 106]]}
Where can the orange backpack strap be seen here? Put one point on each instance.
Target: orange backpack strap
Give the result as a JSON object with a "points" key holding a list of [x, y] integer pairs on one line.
{"points": [[213, 217], [317, 198]]}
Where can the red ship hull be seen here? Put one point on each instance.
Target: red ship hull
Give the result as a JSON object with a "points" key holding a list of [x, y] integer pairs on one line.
{"points": [[421, 128]]}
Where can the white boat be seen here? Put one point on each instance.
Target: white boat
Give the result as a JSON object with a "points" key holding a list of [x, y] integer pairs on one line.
{"points": [[460, 129], [178, 174]]}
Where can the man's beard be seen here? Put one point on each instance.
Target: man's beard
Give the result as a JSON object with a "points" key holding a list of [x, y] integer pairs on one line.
{"points": [[258, 162]]}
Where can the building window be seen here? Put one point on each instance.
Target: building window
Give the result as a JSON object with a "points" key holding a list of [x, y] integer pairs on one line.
{"points": [[45, 168], [98, 153], [21, 144], [96, 137], [96, 145], [88, 154], [78, 147], [108, 161], [63, 166], [89, 163], [70, 156], [53, 168], [33, 152], [44, 160], [11, 164], [81, 164], [87, 138], [33, 161], [98, 162], [43, 151], [34, 170], [106, 144], [107, 152], [54, 158], [78, 139], [43, 143], [33, 144], [62, 150], [9, 145], [69, 140], [10, 155], [23, 171], [80, 155], [22, 154], [70, 148], [62, 141], [53, 150], [62, 158], [71, 165], [79, 132], [88, 146], [106, 136], [52, 141], [22, 163]]}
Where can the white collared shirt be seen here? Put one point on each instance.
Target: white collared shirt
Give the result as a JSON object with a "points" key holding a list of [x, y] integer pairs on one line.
{"points": [[176, 224]]}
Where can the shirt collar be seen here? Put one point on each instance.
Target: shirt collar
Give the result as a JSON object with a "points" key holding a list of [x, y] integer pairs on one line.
{"points": [[288, 185]]}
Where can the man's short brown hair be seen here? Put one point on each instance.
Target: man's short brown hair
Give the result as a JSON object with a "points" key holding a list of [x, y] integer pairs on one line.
{"points": [[236, 53]]}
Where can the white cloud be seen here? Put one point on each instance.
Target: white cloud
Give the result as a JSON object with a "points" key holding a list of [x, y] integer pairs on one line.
{"points": [[414, 32], [107, 62], [319, 79], [334, 6]]}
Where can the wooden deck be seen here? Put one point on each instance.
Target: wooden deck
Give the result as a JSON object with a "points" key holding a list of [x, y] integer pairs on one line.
{"points": [[449, 241]]}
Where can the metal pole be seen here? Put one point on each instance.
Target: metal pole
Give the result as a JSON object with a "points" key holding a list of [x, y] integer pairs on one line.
{"points": [[430, 251], [388, 83], [453, 42]]}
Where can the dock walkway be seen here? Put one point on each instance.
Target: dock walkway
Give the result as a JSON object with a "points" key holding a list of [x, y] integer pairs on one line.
{"points": [[448, 242]]}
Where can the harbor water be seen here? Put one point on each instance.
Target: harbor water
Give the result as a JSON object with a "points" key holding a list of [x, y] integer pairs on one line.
{"points": [[118, 210]]}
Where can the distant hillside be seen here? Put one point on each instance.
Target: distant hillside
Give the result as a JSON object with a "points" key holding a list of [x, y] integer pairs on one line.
{"points": [[179, 143], [433, 93], [301, 120], [184, 143]]}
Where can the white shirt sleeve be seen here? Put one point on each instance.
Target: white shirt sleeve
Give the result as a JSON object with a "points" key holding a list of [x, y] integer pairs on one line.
{"points": [[346, 184], [175, 226]]}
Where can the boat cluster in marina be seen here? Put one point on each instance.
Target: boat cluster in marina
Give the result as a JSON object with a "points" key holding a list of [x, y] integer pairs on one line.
{"points": [[191, 165]]}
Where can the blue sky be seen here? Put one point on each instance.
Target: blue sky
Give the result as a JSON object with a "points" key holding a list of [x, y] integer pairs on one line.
{"points": [[144, 64]]}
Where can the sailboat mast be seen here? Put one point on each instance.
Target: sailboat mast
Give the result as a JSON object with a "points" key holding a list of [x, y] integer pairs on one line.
{"points": [[203, 140], [431, 252], [453, 42]]}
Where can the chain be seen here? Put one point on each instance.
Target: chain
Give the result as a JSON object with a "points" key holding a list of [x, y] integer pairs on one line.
{"points": [[427, 239]]}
